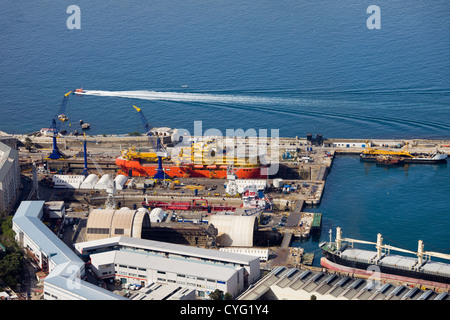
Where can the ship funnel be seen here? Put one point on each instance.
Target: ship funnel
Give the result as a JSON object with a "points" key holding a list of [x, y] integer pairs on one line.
{"points": [[379, 245], [338, 238], [420, 253]]}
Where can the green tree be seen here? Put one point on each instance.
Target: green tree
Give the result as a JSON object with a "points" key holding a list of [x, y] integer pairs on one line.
{"points": [[10, 268], [227, 296], [216, 295], [11, 263], [28, 144], [7, 234]]}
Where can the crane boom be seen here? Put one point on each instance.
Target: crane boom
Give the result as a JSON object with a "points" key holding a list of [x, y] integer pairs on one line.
{"points": [[157, 145], [56, 126], [379, 245]]}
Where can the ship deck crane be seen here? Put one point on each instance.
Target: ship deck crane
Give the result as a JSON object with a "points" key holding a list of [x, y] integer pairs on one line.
{"points": [[56, 126], [379, 246], [156, 144]]}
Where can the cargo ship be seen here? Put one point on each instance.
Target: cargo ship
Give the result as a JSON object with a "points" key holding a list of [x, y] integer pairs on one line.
{"points": [[403, 156], [199, 160], [382, 265]]}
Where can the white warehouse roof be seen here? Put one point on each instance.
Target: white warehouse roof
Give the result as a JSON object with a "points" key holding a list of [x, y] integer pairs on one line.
{"points": [[234, 231], [120, 181], [89, 182], [171, 248], [67, 181], [186, 267], [104, 183], [157, 215]]}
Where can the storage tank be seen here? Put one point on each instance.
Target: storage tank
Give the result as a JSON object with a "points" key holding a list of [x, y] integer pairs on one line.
{"points": [[278, 183]]}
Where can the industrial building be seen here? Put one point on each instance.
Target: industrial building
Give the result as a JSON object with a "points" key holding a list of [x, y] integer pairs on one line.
{"points": [[61, 181], [65, 270], [234, 230], [144, 269], [105, 223], [92, 181], [55, 209], [142, 262], [89, 182], [130, 260], [261, 253], [9, 177], [350, 144], [294, 284]]}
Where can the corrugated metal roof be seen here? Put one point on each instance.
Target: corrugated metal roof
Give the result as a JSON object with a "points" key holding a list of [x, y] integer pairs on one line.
{"points": [[178, 249], [185, 267], [192, 251]]}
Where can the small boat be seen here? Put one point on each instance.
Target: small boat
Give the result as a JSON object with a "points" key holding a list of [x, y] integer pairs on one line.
{"points": [[85, 126], [79, 91], [63, 117]]}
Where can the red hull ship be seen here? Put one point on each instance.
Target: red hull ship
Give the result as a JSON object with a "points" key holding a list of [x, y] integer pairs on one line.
{"points": [[193, 164], [138, 168]]}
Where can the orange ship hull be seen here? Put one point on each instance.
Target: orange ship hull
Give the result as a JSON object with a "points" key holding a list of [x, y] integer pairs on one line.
{"points": [[137, 169]]}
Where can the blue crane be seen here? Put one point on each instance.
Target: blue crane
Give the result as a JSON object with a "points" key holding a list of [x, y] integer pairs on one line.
{"points": [[56, 126], [156, 144]]}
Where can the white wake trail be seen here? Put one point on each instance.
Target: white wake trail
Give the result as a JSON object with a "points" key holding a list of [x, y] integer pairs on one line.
{"points": [[189, 97]]}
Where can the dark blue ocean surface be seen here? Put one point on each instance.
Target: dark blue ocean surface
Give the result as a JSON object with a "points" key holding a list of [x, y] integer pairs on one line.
{"points": [[297, 66], [404, 204]]}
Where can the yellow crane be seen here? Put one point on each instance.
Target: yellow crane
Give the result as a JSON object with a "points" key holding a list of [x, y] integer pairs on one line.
{"points": [[402, 153]]}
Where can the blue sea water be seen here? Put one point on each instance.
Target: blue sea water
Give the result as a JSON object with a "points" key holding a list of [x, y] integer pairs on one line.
{"points": [[307, 66], [297, 66], [404, 204]]}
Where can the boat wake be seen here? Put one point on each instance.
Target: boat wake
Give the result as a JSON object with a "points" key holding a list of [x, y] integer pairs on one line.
{"points": [[192, 97], [285, 105]]}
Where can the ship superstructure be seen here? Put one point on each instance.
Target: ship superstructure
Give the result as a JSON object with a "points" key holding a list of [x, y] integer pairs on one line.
{"points": [[403, 156], [200, 159]]}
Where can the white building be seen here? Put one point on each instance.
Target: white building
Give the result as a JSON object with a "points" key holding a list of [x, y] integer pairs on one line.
{"points": [[105, 182], [350, 144], [239, 185], [89, 182], [55, 209], [120, 181], [129, 259], [261, 253], [172, 253], [61, 181], [143, 269], [233, 230], [65, 269], [9, 177], [157, 215]]}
